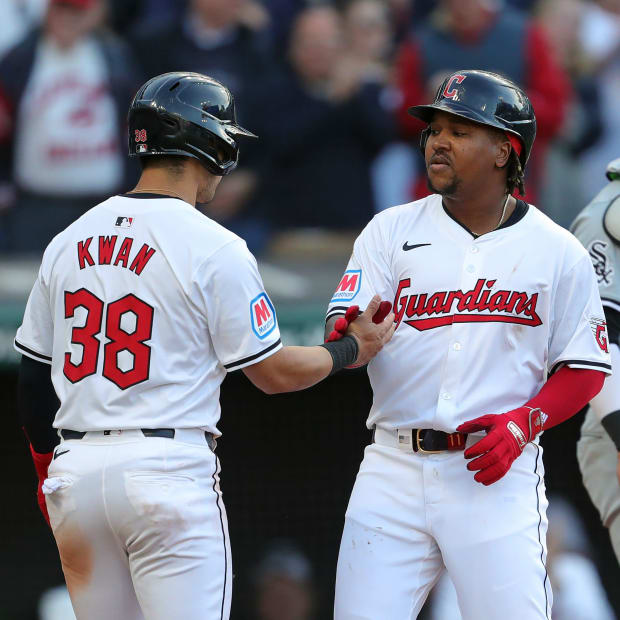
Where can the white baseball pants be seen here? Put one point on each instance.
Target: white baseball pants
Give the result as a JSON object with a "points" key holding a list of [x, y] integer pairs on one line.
{"points": [[411, 516], [140, 527]]}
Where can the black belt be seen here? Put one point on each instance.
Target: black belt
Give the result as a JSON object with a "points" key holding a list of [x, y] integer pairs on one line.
{"points": [[430, 440], [167, 433]]}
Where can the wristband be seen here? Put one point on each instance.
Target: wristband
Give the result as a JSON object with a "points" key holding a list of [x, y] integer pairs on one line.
{"points": [[344, 352], [611, 423]]}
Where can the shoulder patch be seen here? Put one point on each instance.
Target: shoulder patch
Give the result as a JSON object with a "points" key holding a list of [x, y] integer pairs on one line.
{"points": [[349, 286], [600, 261], [598, 325], [263, 316]]}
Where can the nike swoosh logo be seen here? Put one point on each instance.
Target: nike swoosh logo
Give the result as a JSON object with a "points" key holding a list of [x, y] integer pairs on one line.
{"points": [[57, 454], [406, 247]]}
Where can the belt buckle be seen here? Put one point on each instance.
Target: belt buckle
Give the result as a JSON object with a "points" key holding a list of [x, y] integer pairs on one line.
{"points": [[418, 441]]}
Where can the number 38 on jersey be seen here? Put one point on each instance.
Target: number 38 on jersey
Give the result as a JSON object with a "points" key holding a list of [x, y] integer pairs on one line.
{"points": [[125, 323]]}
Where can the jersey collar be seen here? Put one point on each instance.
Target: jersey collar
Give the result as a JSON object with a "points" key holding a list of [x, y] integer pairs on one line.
{"points": [[521, 208], [143, 195]]}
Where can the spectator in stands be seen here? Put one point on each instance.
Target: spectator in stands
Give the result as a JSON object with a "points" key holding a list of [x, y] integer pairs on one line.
{"points": [[327, 126], [282, 14], [600, 38], [481, 34], [283, 584], [229, 41], [369, 38], [562, 192], [63, 92], [18, 17], [129, 18]]}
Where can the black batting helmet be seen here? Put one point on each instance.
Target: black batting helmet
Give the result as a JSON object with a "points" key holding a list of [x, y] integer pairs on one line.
{"points": [[188, 114], [486, 98]]}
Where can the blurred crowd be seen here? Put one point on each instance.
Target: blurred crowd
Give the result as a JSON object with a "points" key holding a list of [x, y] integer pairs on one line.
{"points": [[325, 85]]}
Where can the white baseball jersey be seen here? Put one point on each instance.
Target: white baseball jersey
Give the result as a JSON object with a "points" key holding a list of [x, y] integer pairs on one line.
{"points": [[141, 306], [481, 321]]}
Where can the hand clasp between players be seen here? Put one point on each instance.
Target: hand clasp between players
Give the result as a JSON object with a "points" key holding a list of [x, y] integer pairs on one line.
{"points": [[372, 329]]}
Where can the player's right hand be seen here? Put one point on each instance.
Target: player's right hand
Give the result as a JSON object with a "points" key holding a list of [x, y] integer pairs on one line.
{"points": [[342, 324], [371, 336]]}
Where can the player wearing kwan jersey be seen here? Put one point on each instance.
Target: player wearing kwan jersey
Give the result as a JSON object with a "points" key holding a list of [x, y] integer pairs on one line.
{"points": [[500, 335], [141, 307]]}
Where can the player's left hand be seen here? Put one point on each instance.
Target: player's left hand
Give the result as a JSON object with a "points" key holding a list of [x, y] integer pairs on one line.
{"points": [[41, 464], [507, 435]]}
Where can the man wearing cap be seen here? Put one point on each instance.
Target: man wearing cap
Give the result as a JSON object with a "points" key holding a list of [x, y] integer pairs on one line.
{"points": [[64, 91], [500, 334]]}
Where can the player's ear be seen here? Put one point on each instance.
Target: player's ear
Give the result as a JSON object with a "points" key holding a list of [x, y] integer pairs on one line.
{"points": [[503, 149]]}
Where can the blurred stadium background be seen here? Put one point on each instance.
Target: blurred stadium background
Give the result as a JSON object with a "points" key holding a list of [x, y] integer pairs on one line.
{"points": [[326, 86]]}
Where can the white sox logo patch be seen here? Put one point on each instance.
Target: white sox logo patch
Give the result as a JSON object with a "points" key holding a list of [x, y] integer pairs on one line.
{"points": [[481, 304], [604, 275]]}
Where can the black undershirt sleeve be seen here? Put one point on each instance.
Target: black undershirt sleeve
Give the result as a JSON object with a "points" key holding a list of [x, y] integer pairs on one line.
{"points": [[611, 422], [37, 404]]}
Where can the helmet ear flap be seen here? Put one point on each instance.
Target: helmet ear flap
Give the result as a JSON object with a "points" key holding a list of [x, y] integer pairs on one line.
{"points": [[424, 139]]}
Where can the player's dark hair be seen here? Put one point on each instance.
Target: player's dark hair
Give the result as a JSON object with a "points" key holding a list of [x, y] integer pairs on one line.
{"points": [[515, 177], [173, 163]]}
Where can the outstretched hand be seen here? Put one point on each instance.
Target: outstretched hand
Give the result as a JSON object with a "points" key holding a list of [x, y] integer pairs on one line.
{"points": [[342, 323], [372, 329]]}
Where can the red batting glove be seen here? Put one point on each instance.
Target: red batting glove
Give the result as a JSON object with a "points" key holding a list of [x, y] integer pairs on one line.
{"points": [[507, 435], [382, 312], [342, 323], [41, 465]]}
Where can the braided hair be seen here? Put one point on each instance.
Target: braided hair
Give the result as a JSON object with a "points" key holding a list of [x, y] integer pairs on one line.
{"points": [[515, 177]]}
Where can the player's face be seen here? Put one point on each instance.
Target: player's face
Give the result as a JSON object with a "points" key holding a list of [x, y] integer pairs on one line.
{"points": [[460, 155]]}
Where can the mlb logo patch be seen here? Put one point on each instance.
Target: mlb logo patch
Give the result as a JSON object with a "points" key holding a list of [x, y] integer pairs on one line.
{"points": [[143, 148], [123, 222], [263, 316], [349, 286]]}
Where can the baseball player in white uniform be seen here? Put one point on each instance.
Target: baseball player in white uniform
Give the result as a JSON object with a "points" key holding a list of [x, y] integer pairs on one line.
{"points": [[500, 335], [141, 307], [598, 449]]}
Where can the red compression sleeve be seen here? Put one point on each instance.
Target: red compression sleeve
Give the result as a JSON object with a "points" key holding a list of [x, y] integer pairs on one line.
{"points": [[567, 392]]}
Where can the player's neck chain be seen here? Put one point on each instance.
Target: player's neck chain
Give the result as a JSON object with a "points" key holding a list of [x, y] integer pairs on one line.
{"points": [[501, 217]]}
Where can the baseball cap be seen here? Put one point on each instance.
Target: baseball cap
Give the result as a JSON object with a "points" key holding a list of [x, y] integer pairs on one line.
{"points": [[76, 4]]}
